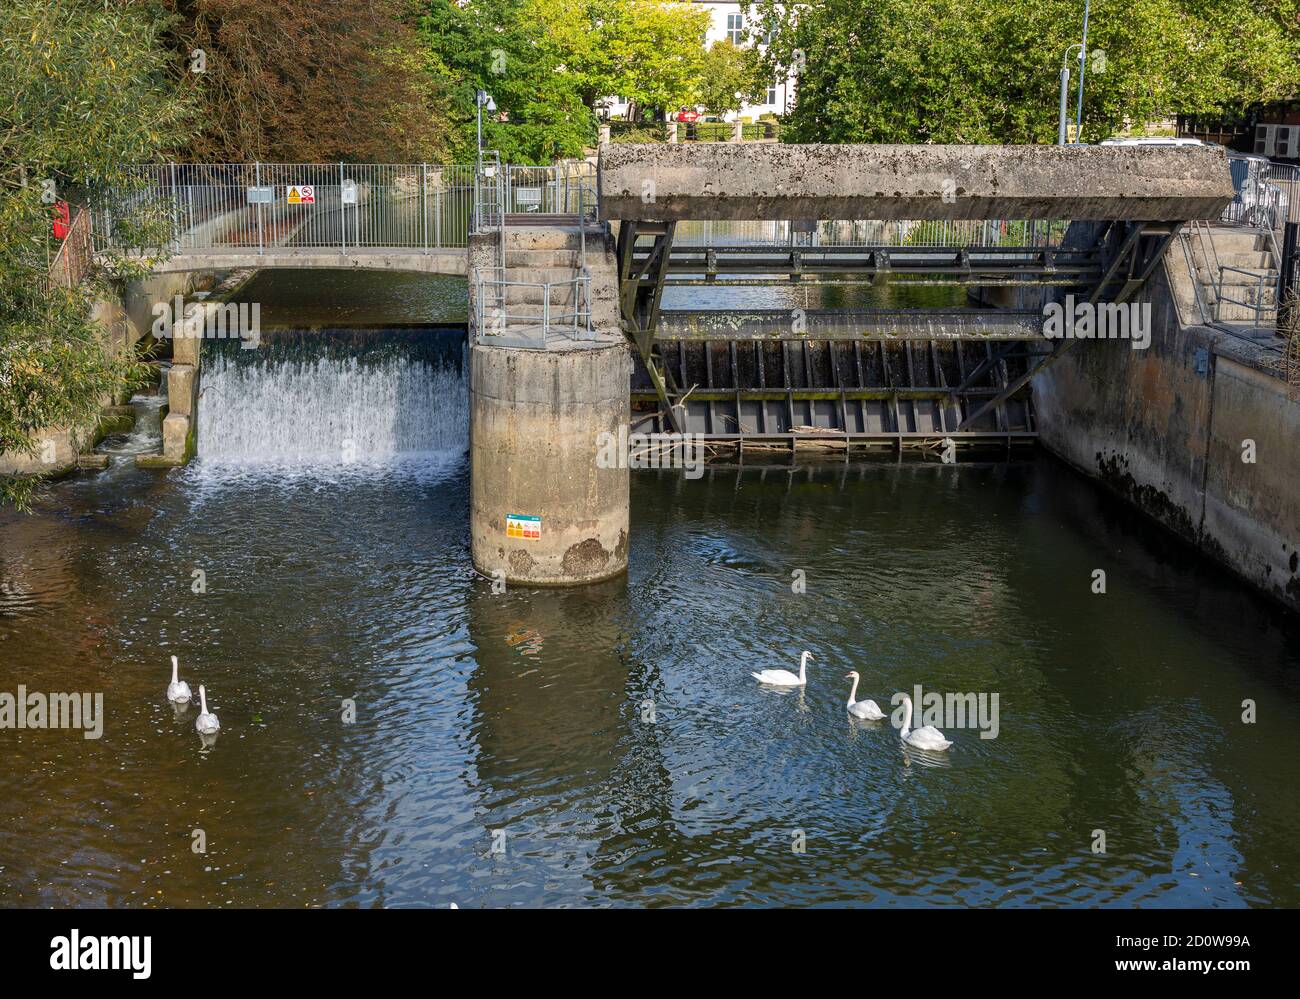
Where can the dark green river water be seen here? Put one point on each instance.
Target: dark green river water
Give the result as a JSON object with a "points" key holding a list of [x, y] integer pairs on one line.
{"points": [[607, 746]]}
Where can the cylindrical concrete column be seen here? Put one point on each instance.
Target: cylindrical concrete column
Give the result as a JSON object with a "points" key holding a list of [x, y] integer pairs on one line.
{"points": [[543, 510]]}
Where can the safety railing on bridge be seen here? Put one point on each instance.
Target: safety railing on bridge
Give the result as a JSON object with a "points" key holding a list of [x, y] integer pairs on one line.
{"points": [[348, 207], [521, 313], [968, 233], [1267, 193]]}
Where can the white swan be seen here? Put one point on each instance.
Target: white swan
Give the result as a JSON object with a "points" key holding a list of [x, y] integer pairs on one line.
{"points": [[867, 710], [783, 677], [925, 737], [205, 724], [178, 691]]}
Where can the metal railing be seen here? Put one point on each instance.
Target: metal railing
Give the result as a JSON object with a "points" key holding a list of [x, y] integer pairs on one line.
{"points": [[970, 233], [509, 195], [497, 323], [349, 207], [1255, 290], [75, 255], [1267, 193]]}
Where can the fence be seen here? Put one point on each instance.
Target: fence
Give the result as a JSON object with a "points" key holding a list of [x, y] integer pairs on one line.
{"points": [[972, 233], [532, 316], [76, 254], [308, 205], [1267, 193]]}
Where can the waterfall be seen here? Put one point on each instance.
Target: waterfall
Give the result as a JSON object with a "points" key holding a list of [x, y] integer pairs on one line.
{"points": [[329, 398]]}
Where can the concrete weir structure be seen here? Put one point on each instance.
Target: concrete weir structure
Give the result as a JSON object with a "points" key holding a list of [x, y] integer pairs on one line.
{"points": [[739, 181], [545, 509]]}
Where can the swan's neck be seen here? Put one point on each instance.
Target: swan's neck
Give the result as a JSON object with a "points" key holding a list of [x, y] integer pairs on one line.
{"points": [[803, 667], [853, 694], [203, 701], [907, 718], [173, 669]]}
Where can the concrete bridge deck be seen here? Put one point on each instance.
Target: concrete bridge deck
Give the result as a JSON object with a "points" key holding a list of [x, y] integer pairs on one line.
{"points": [[452, 261], [720, 181]]}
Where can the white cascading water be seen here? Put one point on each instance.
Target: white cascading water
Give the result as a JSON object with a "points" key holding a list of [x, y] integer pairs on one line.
{"points": [[323, 411]]}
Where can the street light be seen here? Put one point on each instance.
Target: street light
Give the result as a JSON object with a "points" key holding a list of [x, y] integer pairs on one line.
{"points": [[1065, 83], [483, 100]]}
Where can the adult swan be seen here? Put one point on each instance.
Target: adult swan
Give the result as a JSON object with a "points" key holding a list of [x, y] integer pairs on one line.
{"points": [[783, 677], [867, 710], [925, 737]]}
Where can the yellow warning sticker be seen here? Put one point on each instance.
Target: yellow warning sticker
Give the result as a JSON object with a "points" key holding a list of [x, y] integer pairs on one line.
{"points": [[525, 526]]}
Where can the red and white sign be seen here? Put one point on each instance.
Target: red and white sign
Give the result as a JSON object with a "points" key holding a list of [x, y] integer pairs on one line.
{"points": [[302, 194]]}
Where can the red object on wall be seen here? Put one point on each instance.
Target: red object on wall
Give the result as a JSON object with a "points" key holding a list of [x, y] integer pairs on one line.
{"points": [[62, 220]]}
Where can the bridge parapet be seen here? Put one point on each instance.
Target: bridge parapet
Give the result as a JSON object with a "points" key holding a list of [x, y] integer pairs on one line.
{"points": [[667, 183]]}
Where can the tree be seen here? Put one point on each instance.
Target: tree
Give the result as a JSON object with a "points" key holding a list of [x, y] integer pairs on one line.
{"points": [[731, 76], [986, 70], [88, 88], [547, 64], [310, 81]]}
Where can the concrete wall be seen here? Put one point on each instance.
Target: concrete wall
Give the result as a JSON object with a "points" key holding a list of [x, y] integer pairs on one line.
{"points": [[124, 321], [1166, 429]]}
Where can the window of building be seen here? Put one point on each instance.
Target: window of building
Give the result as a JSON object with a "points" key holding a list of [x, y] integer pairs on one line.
{"points": [[736, 28], [771, 95]]}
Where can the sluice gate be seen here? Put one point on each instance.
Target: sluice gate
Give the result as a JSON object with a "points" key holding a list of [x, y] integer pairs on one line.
{"points": [[862, 390], [1021, 226]]}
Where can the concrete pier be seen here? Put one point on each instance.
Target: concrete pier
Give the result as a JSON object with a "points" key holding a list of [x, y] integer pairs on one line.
{"points": [[542, 510]]}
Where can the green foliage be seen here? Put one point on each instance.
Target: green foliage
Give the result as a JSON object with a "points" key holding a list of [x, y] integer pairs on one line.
{"points": [[547, 63], [731, 76], [986, 70], [88, 88]]}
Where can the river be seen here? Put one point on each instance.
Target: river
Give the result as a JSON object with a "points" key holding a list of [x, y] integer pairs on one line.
{"points": [[395, 733]]}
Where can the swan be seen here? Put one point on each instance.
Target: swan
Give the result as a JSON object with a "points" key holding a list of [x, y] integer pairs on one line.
{"points": [[868, 710], [783, 677], [925, 737], [205, 724], [178, 691]]}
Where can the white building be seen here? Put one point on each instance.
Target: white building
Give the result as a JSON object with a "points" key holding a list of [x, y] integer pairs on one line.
{"points": [[736, 22]]}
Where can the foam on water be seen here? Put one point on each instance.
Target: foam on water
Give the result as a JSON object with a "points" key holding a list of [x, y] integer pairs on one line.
{"points": [[326, 413]]}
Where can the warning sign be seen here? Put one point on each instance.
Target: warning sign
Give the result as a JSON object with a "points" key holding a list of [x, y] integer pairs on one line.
{"points": [[520, 525], [302, 194]]}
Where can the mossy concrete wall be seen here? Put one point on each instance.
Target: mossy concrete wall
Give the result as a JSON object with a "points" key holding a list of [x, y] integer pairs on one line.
{"points": [[124, 320], [1172, 428]]}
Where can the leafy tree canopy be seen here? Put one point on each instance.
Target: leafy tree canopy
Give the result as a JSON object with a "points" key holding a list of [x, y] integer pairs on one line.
{"points": [[986, 70], [88, 88], [547, 63]]}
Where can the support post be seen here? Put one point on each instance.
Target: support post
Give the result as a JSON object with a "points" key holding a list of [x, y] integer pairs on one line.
{"points": [[257, 180]]}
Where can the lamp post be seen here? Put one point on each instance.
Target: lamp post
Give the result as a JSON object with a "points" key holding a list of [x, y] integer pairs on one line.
{"points": [[1083, 65], [482, 100], [1065, 84], [1062, 133]]}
